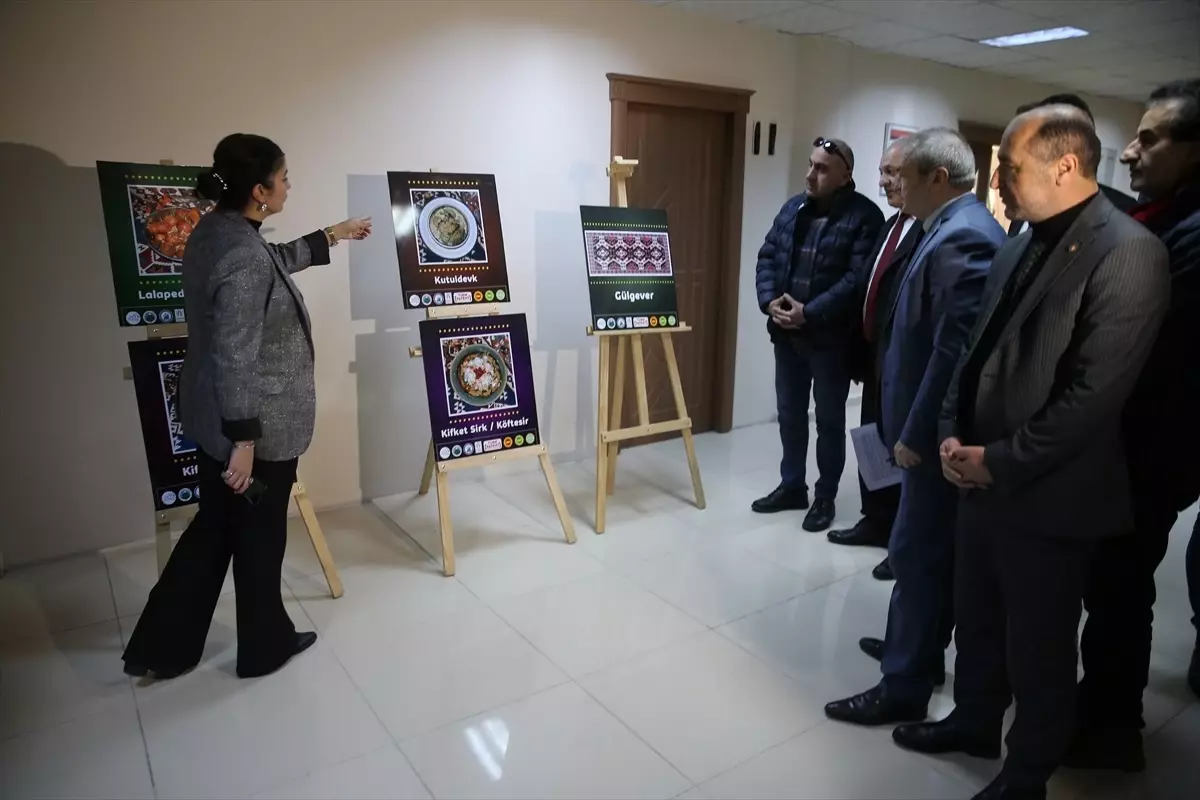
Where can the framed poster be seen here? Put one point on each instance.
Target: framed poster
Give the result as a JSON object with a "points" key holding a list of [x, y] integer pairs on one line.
{"points": [[479, 378], [893, 132], [157, 366], [149, 213], [631, 278], [448, 239]]}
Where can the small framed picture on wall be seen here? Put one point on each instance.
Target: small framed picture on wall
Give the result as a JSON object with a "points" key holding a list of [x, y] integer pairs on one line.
{"points": [[893, 131]]}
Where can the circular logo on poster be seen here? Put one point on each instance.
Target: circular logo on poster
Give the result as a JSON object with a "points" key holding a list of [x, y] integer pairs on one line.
{"points": [[426, 299], [601, 324], [620, 322], [478, 297], [166, 316], [149, 317], [654, 322], [520, 440], [508, 442], [671, 320], [197, 492], [438, 299], [185, 495], [469, 449], [489, 295], [415, 300], [529, 438], [457, 451], [444, 452], [133, 318], [168, 498], [612, 324], [501, 294]]}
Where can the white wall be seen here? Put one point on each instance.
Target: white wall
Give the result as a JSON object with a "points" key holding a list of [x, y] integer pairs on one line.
{"points": [[348, 89], [352, 90]]}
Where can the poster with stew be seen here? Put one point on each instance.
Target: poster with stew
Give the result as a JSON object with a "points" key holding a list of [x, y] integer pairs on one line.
{"points": [[631, 277], [149, 213], [448, 239], [479, 378], [157, 366]]}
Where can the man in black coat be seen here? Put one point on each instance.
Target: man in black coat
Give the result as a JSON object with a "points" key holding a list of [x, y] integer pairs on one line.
{"points": [[1162, 441], [806, 276], [1031, 432], [876, 294]]}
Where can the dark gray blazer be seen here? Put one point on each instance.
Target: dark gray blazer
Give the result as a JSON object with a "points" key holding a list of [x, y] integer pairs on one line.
{"points": [[1048, 402], [248, 373]]}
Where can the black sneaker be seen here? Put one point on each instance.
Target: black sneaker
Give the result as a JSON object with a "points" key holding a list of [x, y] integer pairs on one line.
{"points": [[782, 499], [820, 516]]}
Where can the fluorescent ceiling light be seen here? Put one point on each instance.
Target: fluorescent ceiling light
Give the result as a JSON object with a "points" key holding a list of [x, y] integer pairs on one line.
{"points": [[1035, 37]]}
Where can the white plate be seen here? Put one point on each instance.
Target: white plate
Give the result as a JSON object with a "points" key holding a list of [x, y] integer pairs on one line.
{"points": [[431, 241]]}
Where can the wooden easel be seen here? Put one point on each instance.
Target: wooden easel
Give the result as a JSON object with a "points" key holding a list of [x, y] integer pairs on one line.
{"points": [[184, 515], [610, 434], [443, 470]]}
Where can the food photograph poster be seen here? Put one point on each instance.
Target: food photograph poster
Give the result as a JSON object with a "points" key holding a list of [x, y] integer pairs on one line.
{"points": [[631, 278], [479, 378], [448, 239], [157, 366], [149, 213]]}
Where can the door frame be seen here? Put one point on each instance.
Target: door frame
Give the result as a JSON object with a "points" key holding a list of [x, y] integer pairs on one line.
{"points": [[982, 138], [735, 105]]}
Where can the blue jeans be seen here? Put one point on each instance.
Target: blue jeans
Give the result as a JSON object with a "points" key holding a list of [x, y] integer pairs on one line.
{"points": [[920, 616], [801, 371]]}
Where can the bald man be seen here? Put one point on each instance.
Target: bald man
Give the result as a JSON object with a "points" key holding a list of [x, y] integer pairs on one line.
{"points": [[806, 279], [1031, 434]]}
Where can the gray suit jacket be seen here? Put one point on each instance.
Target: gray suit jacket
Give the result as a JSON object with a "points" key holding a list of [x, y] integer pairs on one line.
{"points": [[1047, 406], [248, 373]]}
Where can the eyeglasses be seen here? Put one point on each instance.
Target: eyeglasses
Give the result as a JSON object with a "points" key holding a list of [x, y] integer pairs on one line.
{"points": [[831, 147]]}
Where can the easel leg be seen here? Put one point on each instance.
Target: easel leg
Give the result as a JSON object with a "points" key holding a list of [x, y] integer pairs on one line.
{"points": [[162, 543], [614, 448], [317, 537], [681, 409], [560, 504], [427, 474], [639, 381], [444, 524], [601, 443]]}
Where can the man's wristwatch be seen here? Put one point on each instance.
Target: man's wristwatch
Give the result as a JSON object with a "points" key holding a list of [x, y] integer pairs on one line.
{"points": [[331, 236]]}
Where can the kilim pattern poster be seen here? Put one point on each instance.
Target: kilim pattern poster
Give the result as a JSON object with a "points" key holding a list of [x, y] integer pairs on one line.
{"points": [[631, 277]]}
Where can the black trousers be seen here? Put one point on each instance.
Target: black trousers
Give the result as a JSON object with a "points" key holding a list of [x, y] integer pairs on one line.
{"points": [[879, 507], [1119, 597], [171, 632], [1017, 603]]}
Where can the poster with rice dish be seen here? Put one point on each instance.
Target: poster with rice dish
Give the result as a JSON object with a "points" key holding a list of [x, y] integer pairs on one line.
{"points": [[448, 239], [149, 213], [631, 278], [157, 366], [479, 378]]}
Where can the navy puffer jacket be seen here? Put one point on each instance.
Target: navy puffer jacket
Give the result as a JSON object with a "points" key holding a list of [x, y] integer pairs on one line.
{"points": [[846, 244]]}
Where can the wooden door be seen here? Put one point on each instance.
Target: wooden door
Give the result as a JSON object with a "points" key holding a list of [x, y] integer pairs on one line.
{"points": [[690, 149]]}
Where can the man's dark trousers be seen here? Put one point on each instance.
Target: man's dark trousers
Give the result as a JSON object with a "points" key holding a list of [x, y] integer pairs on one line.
{"points": [[803, 369], [878, 507], [920, 616]]}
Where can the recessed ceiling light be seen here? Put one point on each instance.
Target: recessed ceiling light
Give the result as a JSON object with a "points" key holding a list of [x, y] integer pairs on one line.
{"points": [[1035, 37]]}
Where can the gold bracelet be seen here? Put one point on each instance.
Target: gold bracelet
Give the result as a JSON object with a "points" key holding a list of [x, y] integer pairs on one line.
{"points": [[331, 236]]}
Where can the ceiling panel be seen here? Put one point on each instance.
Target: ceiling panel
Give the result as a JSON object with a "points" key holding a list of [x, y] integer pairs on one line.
{"points": [[1132, 45]]}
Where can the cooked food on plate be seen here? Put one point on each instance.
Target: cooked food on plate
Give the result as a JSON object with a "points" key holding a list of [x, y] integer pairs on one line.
{"points": [[449, 225], [479, 374]]}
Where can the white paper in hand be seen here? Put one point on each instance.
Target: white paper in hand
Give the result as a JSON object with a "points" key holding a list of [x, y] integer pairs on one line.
{"points": [[875, 463]]}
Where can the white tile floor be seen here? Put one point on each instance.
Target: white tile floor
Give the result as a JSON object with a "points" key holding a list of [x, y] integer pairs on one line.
{"points": [[681, 654]]}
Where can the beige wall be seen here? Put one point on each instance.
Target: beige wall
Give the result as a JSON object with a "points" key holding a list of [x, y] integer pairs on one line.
{"points": [[352, 90]]}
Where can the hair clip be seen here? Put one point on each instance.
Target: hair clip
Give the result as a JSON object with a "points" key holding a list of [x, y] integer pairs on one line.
{"points": [[224, 186]]}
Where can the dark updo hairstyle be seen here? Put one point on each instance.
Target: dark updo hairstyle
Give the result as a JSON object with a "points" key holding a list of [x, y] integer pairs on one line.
{"points": [[240, 162]]}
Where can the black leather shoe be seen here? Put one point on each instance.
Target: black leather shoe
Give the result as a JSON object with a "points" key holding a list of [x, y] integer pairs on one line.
{"points": [[874, 707], [874, 648], [883, 571], [1108, 748], [864, 534], [304, 641], [140, 671], [782, 499], [820, 516], [947, 736], [1001, 789]]}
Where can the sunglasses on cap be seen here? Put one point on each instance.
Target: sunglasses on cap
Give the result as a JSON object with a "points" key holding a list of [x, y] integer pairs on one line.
{"points": [[831, 147]]}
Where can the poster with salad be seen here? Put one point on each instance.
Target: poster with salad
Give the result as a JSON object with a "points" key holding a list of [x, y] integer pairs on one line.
{"points": [[149, 213]]}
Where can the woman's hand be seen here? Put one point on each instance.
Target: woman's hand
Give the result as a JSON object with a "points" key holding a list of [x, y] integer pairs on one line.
{"points": [[358, 228], [241, 466]]}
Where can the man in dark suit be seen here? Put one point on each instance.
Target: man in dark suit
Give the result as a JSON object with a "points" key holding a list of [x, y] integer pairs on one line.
{"points": [[1031, 432], [1162, 441], [877, 291], [935, 307], [1118, 198], [806, 279]]}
